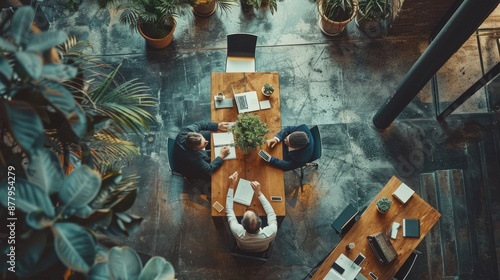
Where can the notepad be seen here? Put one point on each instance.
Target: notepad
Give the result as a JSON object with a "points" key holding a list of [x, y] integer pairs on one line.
{"points": [[411, 228], [244, 192], [224, 139], [403, 193]]}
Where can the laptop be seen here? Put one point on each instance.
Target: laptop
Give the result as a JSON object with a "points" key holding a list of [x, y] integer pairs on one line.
{"points": [[247, 101]]}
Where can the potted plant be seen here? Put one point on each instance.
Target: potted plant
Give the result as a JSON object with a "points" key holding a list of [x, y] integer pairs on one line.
{"points": [[372, 14], [205, 8], [247, 5], [153, 19], [383, 204], [267, 89], [335, 15], [249, 132]]}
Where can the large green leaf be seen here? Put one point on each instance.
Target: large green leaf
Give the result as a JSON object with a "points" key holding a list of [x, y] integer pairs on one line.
{"points": [[80, 187], [38, 220], [5, 68], [26, 126], [124, 263], [157, 268], [59, 72], [44, 169], [21, 23], [74, 246], [100, 271], [29, 251], [29, 197], [46, 40], [29, 64]]}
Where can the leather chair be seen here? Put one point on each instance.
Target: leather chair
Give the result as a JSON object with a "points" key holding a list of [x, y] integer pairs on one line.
{"points": [[343, 223], [171, 162], [405, 269], [257, 256], [241, 52]]}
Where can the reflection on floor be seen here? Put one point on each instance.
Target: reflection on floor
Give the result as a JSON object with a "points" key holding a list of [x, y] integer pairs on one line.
{"points": [[337, 83]]}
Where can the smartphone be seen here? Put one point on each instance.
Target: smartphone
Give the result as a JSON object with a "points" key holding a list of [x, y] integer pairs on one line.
{"points": [[276, 198], [218, 206], [359, 259], [373, 276], [338, 268], [264, 155]]}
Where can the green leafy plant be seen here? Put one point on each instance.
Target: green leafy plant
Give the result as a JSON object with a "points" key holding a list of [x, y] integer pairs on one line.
{"points": [[337, 10], [62, 203], [249, 132], [374, 10], [383, 204], [224, 5], [272, 4], [268, 89], [156, 18]]}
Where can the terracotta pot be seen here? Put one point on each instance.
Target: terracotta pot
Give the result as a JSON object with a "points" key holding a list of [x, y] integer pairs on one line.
{"points": [[205, 9], [330, 27], [159, 43]]}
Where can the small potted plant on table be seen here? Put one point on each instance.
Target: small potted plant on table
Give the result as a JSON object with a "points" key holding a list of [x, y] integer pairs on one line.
{"points": [[267, 89], [383, 204], [249, 132]]}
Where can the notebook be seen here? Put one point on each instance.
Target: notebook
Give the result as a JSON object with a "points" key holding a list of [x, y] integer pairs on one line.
{"points": [[224, 103], [411, 228], [247, 101], [224, 139], [403, 193], [244, 193]]}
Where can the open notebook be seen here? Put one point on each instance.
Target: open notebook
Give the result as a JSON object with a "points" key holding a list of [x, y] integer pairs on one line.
{"points": [[223, 139], [244, 193]]}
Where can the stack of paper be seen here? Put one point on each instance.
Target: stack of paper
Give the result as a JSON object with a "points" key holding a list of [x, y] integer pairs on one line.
{"points": [[244, 192]]}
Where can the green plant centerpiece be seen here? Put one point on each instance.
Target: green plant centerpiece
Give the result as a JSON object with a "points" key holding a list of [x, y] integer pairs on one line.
{"points": [[153, 19], [267, 89], [383, 204], [372, 13], [249, 132], [335, 15]]}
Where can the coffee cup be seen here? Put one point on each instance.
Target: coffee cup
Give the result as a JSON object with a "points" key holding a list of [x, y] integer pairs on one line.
{"points": [[219, 96]]}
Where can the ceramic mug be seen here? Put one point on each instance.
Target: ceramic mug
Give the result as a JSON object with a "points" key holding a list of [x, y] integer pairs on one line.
{"points": [[219, 96]]}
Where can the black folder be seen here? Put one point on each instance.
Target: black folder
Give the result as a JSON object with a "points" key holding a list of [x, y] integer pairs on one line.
{"points": [[411, 228]]}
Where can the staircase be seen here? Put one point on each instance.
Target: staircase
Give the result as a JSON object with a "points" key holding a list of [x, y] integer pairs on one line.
{"points": [[462, 244]]}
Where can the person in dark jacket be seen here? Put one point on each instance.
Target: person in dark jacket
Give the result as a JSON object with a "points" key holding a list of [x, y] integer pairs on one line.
{"points": [[297, 149], [190, 153]]}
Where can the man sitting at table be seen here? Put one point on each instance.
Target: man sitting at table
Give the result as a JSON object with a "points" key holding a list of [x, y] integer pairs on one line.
{"points": [[249, 236], [190, 153], [298, 148]]}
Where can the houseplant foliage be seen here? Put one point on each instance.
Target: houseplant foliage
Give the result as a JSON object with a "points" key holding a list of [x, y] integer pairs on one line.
{"points": [[207, 7], [249, 132], [63, 205], [272, 4], [372, 13], [336, 14], [267, 89], [153, 18], [383, 204]]}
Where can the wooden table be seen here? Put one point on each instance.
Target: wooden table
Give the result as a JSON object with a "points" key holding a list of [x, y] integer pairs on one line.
{"points": [[371, 221], [249, 166]]}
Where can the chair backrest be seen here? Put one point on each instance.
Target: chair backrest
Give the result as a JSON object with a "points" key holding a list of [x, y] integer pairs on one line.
{"points": [[258, 256], [343, 223], [170, 156], [405, 269], [317, 143], [241, 45]]}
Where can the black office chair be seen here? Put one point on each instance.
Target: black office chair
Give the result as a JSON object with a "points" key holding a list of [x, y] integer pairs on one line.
{"points": [[171, 161], [343, 223], [257, 256], [315, 155], [241, 52], [405, 269]]}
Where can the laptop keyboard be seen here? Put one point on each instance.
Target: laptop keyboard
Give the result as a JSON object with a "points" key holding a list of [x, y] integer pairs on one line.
{"points": [[242, 102]]}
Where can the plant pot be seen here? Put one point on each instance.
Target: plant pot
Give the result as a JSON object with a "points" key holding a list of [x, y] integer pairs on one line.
{"points": [[373, 28], [265, 93], [205, 9], [245, 7], [380, 211], [159, 43], [330, 27]]}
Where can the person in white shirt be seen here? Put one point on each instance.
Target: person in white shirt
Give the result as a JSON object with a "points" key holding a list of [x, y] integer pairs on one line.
{"points": [[249, 235]]}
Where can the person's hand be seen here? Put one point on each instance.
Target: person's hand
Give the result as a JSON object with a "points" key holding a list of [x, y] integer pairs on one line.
{"points": [[224, 152], [223, 126], [271, 142], [256, 187], [233, 179]]}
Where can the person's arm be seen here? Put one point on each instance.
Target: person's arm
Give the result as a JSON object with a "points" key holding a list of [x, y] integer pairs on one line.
{"points": [[272, 222], [236, 228], [209, 167], [285, 165]]}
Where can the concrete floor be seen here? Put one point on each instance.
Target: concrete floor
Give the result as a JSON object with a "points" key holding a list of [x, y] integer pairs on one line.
{"points": [[337, 83]]}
